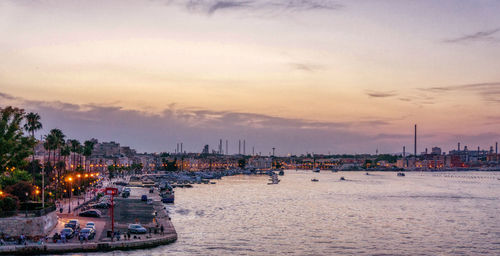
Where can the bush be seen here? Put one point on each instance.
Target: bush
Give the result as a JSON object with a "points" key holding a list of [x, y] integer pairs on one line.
{"points": [[20, 189], [8, 203]]}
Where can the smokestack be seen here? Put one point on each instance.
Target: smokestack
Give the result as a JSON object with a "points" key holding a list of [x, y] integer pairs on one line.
{"points": [[415, 149], [239, 147], [220, 146], [253, 150], [459, 146], [404, 151], [181, 149], [426, 151], [244, 148], [227, 150], [177, 150]]}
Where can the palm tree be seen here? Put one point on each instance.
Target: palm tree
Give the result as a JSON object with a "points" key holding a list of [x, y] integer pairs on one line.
{"points": [[75, 148], [33, 124], [50, 140], [87, 149], [65, 152]]}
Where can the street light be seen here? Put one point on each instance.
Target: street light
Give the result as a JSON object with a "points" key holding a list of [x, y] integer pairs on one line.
{"points": [[78, 196], [69, 199]]}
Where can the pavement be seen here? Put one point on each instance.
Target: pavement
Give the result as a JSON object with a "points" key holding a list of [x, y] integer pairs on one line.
{"points": [[127, 211]]}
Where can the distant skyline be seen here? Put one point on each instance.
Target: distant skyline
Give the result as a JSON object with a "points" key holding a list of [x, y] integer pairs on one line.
{"points": [[299, 75]]}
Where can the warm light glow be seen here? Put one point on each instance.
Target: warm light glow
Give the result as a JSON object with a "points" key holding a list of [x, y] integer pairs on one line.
{"points": [[78, 175], [86, 175]]}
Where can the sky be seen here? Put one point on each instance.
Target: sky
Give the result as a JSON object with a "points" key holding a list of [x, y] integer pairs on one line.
{"points": [[318, 76]]}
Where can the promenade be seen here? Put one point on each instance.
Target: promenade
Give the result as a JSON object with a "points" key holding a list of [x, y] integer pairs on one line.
{"points": [[127, 211]]}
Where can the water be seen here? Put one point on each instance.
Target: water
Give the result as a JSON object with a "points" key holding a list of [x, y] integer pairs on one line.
{"points": [[421, 214]]}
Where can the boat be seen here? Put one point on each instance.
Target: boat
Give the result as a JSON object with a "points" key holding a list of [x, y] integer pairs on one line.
{"points": [[314, 180], [316, 170], [168, 198], [401, 174], [342, 178], [281, 173], [367, 174]]}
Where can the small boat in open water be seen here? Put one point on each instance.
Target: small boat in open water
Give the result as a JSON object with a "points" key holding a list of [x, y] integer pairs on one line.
{"points": [[314, 180], [342, 178], [401, 174], [316, 170]]}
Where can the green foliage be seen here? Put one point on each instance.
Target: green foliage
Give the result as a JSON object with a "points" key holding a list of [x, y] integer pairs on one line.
{"points": [[170, 166], [21, 190], [241, 163], [14, 177], [386, 157], [14, 146], [8, 203]]}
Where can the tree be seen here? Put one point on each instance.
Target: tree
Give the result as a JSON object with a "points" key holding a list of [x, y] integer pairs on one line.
{"points": [[33, 124], [14, 177], [21, 190], [87, 150], [241, 163], [14, 146], [75, 148], [8, 204]]}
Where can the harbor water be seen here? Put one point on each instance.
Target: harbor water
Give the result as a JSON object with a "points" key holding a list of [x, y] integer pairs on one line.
{"points": [[452, 213]]}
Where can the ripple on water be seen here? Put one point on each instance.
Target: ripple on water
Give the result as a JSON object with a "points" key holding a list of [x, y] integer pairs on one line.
{"points": [[376, 214]]}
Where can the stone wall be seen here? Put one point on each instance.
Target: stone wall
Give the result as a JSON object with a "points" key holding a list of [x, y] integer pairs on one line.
{"points": [[34, 226], [87, 247]]}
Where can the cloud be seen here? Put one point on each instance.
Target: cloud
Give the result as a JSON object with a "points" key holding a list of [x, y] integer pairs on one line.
{"points": [[306, 67], [381, 94], [481, 36], [210, 7], [197, 127], [489, 91]]}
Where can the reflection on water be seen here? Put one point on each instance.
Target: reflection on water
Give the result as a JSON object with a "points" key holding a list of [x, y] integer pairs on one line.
{"points": [[380, 213]]}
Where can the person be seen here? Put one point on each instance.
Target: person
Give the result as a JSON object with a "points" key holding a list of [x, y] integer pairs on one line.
{"points": [[55, 237], [128, 235], [60, 210], [118, 235], [63, 238]]}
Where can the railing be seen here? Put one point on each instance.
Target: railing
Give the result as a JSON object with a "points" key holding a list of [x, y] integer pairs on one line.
{"points": [[26, 213]]}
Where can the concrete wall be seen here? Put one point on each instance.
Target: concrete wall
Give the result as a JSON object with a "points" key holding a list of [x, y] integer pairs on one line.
{"points": [[87, 247], [35, 226]]}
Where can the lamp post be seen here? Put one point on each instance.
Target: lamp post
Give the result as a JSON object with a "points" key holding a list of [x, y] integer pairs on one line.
{"points": [[78, 196], [70, 191], [43, 187]]}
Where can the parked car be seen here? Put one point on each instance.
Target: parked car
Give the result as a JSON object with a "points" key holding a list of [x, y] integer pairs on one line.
{"points": [[90, 225], [125, 194], [137, 229], [144, 198], [150, 201], [102, 205], [89, 232], [68, 232], [91, 213], [151, 190], [73, 224]]}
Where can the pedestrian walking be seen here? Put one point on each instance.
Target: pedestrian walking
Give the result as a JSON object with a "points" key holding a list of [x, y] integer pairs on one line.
{"points": [[162, 229]]}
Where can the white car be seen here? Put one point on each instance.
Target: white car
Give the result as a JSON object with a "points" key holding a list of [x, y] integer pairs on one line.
{"points": [[90, 225]]}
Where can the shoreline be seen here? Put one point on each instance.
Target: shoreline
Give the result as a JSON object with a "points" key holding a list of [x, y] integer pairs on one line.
{"points": [[123, 245]]}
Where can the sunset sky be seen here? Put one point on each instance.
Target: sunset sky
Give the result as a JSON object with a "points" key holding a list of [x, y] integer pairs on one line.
{"points": [[298, 75]]}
